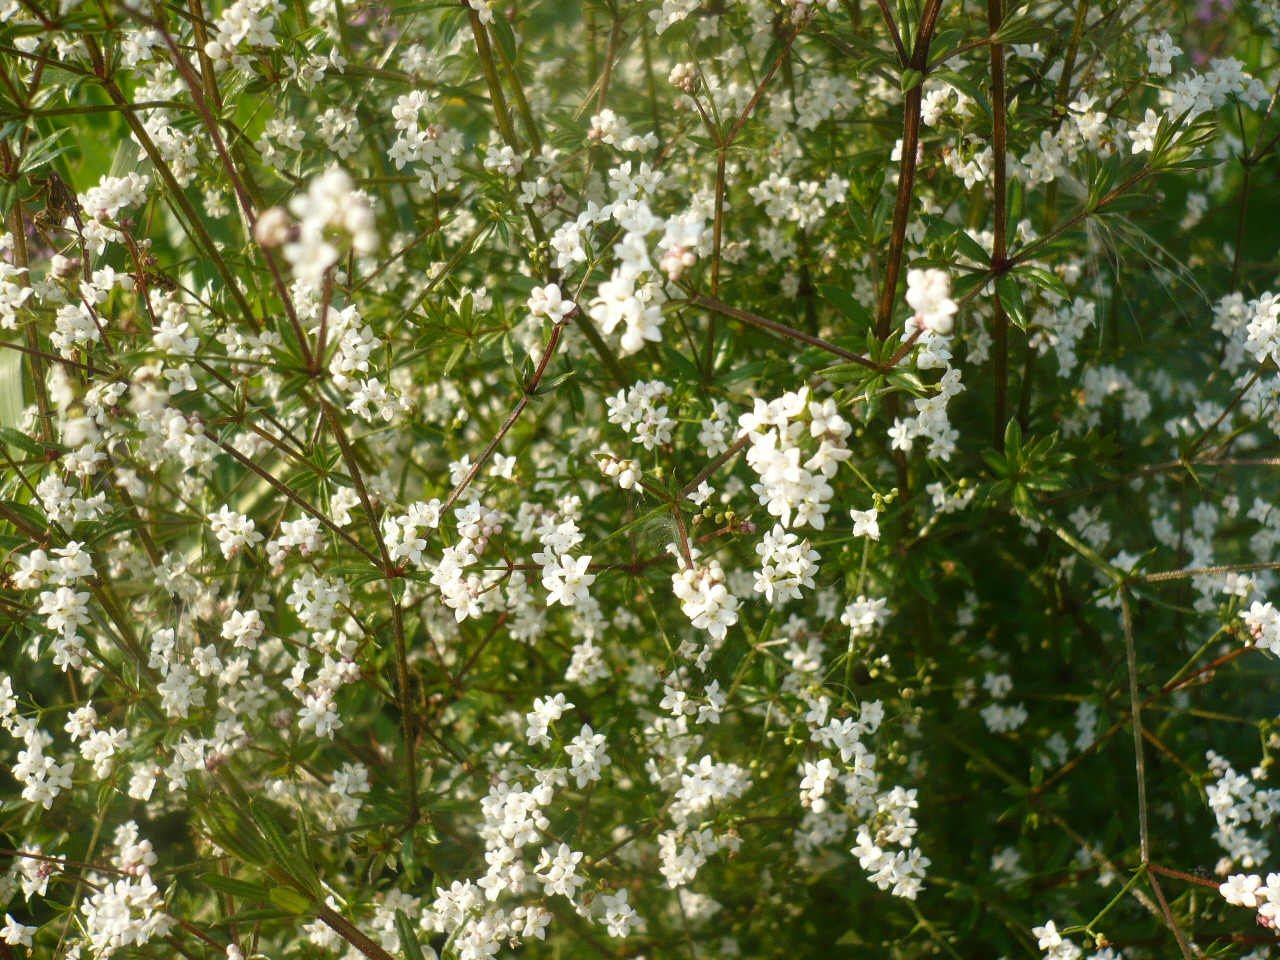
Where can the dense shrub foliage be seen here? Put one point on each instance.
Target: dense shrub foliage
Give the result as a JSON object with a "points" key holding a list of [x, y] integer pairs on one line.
{"points": [[639, 478]]}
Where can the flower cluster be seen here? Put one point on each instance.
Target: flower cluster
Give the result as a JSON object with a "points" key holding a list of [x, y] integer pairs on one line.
{"points": [[794, 487], [639, 479]]}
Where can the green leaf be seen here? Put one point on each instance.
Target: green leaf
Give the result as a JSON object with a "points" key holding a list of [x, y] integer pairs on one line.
{"points": [[846, 303], [272, 830], [236, 888], [849, 373], [1052, 480], [1046, 279], [876, 61], [409, 944], [999, 465], [1012, 439], [355, 574], [970, 247], [1107, 177], [967, 87], [1010, 295], [290, 900], [506, 36], [8, 195], [16, 438], [27, 513], [964, 285], [287, 853], [944, 42], [233, 834], [627, 527], [254, 915], [748, 371], [907, 380], [1019, 27], [42, 152], [454, 356], [1128, 202], [1022, 501], [1013, 209], [1194, 163], [550, 384], [681, 363]]}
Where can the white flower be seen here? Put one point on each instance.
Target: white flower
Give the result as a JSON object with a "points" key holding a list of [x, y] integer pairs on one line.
{"points": [[504, 160], [545, 712], [481, 7], [588, 755], [245, 628], [865, 523], [331, 202], [1047, 937], [558, 871], [234, 531], [1144, 134], [817, 777], [15, 934], [929, 294], [568, 581], [548, 302], [619, 916], [705, 599], [1242, 890]]}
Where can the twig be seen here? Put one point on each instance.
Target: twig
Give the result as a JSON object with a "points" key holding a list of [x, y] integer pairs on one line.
{"points": [[1135, 718], [530, 390], [999, 147], [306, 506], [906, 168], [713, 466], [893, 31], [1207, 571], [17, 230], [708, 303], [407, 715]]}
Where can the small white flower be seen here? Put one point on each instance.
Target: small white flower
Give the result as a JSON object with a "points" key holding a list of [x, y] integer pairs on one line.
{"points": [[865, 523], [548, 302], [1047, 937], [15, 934], [1242, 890], [929, 294], [568, 581]]}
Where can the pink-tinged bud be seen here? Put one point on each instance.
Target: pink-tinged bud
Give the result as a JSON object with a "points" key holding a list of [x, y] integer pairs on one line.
{"points": [[64, 266]]}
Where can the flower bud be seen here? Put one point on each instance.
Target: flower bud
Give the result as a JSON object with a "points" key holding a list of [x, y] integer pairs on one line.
{"points": [[272, 228]]}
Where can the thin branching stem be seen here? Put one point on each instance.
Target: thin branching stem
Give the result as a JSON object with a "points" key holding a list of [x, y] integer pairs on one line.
{"points": [[906, 169], [999, 148], [39, 385], [781, 329], [1135, 719]]}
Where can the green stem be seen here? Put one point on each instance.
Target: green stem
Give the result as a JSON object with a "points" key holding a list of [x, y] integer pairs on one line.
{"points": [[407, 715], [353, 468], [1089, 927], [522, 101], [1135, 717]]}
